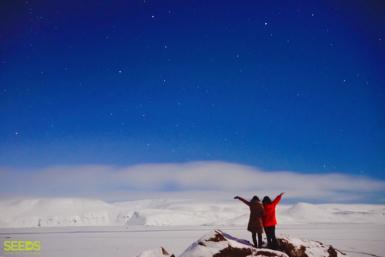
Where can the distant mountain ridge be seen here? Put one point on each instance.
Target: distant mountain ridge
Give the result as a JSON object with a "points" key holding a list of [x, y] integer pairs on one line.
{"points": [[59, 212]]}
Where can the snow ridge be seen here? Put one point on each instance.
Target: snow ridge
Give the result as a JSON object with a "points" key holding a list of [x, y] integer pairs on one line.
{"points": [[59, 212]]}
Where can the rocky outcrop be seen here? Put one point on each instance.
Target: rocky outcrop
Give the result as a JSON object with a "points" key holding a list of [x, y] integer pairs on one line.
{"points": [[295, 247], [220, 244]]}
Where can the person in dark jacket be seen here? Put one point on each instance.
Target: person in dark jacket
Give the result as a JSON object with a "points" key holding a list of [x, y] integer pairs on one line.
{"points": [[270, 220], [255, 225]]}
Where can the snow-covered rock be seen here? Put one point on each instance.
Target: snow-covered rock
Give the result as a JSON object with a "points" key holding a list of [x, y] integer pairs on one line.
{"points": [[220, 244], [295, 247]]}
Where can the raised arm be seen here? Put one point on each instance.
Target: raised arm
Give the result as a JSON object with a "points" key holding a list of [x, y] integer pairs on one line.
{"points": [[242, 200], [277, 199]]}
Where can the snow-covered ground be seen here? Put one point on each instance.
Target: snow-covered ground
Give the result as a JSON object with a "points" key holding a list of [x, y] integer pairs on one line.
{"points": [[83, 227], [358, 240]]}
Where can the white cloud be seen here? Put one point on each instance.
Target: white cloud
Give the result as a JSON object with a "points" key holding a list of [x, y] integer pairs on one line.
{"points": [[192, 180]]}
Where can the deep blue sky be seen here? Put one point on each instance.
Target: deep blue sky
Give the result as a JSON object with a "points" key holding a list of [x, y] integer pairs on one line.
{"points": [[282, 85]]}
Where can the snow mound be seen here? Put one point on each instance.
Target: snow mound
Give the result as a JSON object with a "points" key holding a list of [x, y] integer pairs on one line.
{"points": [[333, 213], [158, 252]]}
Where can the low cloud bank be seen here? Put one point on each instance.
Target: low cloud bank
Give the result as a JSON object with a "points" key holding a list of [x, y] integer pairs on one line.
{"points": [[204, 180]]}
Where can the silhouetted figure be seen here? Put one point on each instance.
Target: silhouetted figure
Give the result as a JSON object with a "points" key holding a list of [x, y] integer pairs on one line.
{"points": [[270, 220], [255, 225]]}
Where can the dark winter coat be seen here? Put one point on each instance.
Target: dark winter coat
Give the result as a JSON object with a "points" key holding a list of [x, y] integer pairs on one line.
{"points": [[255, 221]]}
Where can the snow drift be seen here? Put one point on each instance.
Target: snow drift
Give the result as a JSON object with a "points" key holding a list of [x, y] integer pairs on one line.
{"points": [[158, 252], [58, 212]]}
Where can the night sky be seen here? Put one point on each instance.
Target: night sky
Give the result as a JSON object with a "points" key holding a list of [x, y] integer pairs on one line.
{"points": [[280, 85]]}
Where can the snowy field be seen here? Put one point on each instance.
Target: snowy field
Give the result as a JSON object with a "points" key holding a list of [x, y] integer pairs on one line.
{"points": [[355, 239], [83, 227]]}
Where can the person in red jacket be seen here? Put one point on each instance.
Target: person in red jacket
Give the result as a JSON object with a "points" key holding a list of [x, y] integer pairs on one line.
{"points": [[270, 220]]}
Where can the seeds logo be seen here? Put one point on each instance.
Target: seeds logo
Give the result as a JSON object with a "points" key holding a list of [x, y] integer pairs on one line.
{"points": [[21, 246]]}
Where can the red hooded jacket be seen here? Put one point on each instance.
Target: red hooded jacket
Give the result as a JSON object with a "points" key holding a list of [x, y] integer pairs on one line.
{"points": [[269, 219]]}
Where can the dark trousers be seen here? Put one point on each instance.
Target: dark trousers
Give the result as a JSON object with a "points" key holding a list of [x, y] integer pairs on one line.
{"points": [[259, 242], [271, 239]]}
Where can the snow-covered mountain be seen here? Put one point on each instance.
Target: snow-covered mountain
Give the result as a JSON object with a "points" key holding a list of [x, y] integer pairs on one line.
{"points": [[53, 212]]}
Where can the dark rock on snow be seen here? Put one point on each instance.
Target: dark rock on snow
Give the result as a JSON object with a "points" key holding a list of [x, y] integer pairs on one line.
{"points": [[295, 247], [220, 244]]}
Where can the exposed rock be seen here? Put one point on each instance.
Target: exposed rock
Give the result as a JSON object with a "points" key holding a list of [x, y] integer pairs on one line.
{"points": [[236, 252], [220, 244], [295, 247]]}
